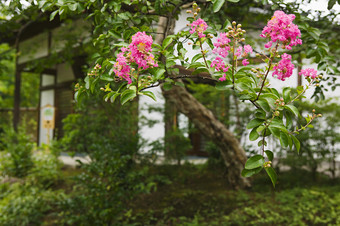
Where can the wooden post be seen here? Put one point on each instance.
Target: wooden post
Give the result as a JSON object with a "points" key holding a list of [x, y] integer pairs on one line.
{"points": [[16, 109], [299, 81]]}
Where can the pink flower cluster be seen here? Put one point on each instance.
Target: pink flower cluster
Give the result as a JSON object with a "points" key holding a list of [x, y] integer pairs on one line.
{"points": [[281, 28], [222, 48], [122, 68], [220, 65], [139, 52], [284, 69], [222, 45], [309, 72], [243, 52], [199, 26]]}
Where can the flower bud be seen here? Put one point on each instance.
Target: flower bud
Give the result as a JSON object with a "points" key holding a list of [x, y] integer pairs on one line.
{"points": [[239, 25], [319, 115], [313, 110], [189, 11], [230, 28], [233, 23]]}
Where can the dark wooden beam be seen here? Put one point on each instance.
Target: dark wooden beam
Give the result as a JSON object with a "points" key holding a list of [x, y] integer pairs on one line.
{"points": [[17, 98], [63, 85]]}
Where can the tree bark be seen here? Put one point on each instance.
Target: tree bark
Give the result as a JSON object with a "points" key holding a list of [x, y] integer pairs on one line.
{"points": [[233, 154]]}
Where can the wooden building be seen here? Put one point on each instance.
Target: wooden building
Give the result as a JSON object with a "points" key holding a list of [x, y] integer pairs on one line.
{"points": [[53, 50]]}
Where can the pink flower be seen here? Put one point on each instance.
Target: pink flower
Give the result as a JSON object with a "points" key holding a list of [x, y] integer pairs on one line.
{"points": [[284, 69], [121, 68], [199, 26], [309, 72], [223, 78], [220, 65], [245, 62], [139, 52], [248, 49], [239, 51], [281, 28], [140, 49], [222, 45]]}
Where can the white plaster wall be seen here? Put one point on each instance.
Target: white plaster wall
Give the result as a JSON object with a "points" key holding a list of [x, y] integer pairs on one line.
{"points": [[64, 73], [33, 48], [76, 31], [47, 97], [157, 131]]}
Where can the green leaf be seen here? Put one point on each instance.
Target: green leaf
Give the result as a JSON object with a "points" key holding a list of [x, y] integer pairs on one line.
{"points": [[272, 175], [331, 3], [217, 4], [159, 73], [113, 98], [234, 1], [254, 162], [52, 15], [106, 77], [87, 82], [275, 131], [200, 70], [127, 95], [167, 41], [124, 16], [261, 114], [293, 109], [278, 126], [167, 86], [286, 94], [253, 135], [264, 105], [226, 24], [296, 143], [270, 155], [254, 123], [289, 121], [73, 6], [149, 94], [196, 57], [249, 173], [224, 85], [284, 139]]}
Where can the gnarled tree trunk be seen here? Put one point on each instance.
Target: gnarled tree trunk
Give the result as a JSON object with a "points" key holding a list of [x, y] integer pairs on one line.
{"points": [[233, 154]]}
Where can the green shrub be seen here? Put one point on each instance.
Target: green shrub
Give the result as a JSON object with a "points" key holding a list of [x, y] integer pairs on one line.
{"points": [[290, 207], [16, 153], [107, 133], [46, 168], [24, 204]]}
